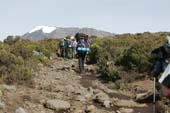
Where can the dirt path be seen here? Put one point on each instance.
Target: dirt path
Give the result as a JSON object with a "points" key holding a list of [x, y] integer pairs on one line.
{"points": [[85, 93]]}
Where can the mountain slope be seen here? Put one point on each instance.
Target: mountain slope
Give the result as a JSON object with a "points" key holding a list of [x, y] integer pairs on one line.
{"points": [[41, 32]]}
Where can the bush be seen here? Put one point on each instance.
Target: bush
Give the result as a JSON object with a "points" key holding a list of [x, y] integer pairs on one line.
{"points": [[23, 48], [134, 58], [26, 49], [100, 50], [132, 52], [19, 57], [111, 75], [48, 46], [94, 53], [11, 39], [4, 47], [42, 59], [109, 72], [12, 68], [101, 54]]}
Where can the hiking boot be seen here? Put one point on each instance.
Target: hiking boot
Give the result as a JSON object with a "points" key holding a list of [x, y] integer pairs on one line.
{"points": [[82, 72]]}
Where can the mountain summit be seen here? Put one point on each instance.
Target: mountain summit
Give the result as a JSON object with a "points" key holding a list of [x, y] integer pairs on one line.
{"points": [[41, 32], [45, 29]]}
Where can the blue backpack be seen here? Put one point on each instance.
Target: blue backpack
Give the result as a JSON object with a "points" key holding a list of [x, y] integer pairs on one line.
{"points": [[82, 46]]}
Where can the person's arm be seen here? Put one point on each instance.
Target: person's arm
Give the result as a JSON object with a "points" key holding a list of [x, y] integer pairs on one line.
{"points": [[157, 55]]}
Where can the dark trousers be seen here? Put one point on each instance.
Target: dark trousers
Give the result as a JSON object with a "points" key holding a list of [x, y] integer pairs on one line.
{"points": [[81, 57], [62, 52], [159, 67]]}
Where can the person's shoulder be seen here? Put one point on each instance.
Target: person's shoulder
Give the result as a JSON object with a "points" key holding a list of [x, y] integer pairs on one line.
{"points": [[159, 49]]}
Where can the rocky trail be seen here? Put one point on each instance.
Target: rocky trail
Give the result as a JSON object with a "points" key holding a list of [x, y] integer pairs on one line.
{"points": [[59, 88]]}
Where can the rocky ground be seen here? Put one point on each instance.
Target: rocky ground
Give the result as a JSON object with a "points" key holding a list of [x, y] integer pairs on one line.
{"points": [[59, 88]]}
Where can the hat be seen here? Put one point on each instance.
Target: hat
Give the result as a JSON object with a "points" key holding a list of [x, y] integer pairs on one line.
{"points": [[72, 37]]}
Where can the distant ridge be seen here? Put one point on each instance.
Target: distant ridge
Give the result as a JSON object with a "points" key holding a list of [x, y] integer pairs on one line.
{"points": [[41, 32]]}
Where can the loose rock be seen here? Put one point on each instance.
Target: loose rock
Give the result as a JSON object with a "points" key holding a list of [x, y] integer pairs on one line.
{"points": [[101, 97], [90, 109], [20, 110], [57, 105], [126, 110], [2, 105], [107, 104]]}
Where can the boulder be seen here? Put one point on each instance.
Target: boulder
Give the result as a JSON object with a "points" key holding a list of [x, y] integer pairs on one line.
{"points": [[101, 97], [107, 104], [57, 104], [90, 109]]}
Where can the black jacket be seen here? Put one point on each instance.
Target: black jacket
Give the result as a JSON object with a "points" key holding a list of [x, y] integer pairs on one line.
{"points": [[160, 53]]}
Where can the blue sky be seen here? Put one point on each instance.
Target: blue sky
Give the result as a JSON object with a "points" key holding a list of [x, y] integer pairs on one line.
{"points": [[117, 16]]}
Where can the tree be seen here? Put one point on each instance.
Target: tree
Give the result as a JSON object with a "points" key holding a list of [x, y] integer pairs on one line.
{"points": [[9, 40]]}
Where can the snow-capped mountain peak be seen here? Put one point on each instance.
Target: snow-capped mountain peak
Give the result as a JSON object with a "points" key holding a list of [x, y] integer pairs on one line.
{"points": [[42, 32], [45, 29]]}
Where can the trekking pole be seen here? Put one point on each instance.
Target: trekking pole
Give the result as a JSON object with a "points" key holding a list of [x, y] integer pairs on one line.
{"points": [[154, 91]]}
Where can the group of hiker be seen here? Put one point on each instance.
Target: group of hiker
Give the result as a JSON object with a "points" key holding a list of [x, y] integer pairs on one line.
{"points": [[67, 47], [76, 46]]}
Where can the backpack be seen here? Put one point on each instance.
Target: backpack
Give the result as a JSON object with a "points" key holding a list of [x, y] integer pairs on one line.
{"points": [[83, 46], [61, 43], [68, 43]]}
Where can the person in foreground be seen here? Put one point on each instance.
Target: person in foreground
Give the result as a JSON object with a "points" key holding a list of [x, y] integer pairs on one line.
{"points": [[162, 57]]}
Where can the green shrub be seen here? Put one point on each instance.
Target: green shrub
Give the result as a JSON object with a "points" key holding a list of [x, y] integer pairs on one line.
{"points": [[23, 48], [26, 49], [49, 44], [100, 53], [4, 47], [9, 40], [134, 58], [42, 59], [132, 52], [109, 72], [94, 53], [100, 50], [111, 75], [19, 57], [12, 68]]}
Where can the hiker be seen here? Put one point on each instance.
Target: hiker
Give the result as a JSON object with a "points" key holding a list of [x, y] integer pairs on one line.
{"points": [[88, 42], [162, 57], [82, 49], [62, 48], [74, 45], [68, 46]]}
